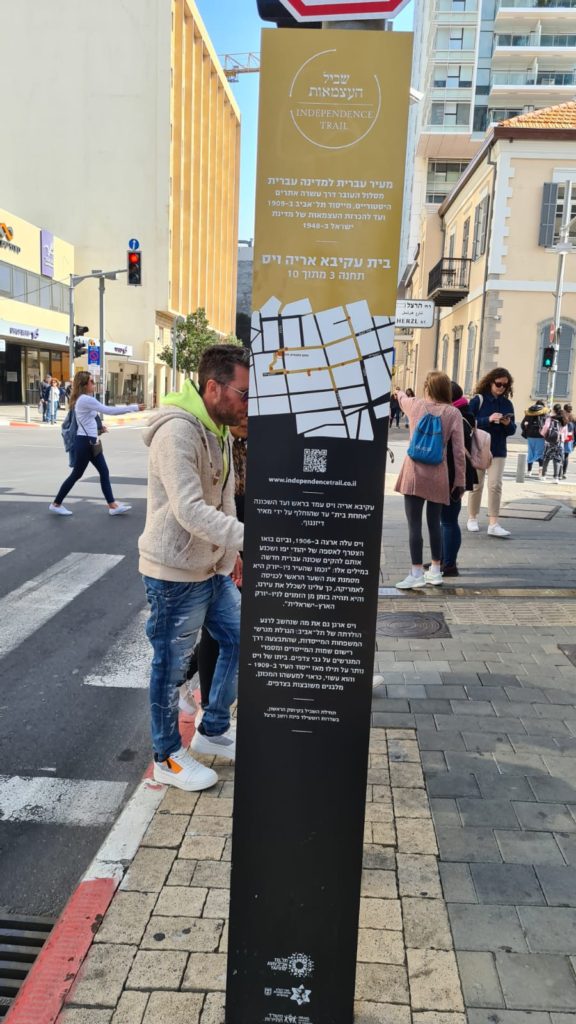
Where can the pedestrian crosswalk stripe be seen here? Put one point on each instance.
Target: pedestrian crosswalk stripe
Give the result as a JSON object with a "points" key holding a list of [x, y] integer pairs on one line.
{"points": [[26, 609], [59, 801], [5, 551], [127, 663]]}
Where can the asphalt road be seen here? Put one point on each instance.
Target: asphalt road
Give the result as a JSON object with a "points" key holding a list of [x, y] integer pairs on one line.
{"points": [[71, 613]]}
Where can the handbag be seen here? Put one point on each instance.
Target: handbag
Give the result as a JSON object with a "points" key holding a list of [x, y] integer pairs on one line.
{"points": [[95, 448]]}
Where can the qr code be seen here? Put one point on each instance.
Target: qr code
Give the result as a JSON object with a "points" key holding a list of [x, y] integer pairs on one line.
{"points": [[315, 460]]}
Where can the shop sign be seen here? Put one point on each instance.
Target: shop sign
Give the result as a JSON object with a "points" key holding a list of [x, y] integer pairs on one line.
{"points": [[46, 253], [6, 236], [26, 332], [117, 350]]}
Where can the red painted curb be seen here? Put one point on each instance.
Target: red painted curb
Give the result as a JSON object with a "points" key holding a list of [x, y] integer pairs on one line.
{"points": [[42, 995], [19, 423]]}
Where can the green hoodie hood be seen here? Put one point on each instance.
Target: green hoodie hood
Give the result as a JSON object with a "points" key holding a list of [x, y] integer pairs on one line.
{"points": [[190, 400]]}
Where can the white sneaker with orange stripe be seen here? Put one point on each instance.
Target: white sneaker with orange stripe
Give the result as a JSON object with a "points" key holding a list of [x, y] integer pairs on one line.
{"points": [[184, 772]]}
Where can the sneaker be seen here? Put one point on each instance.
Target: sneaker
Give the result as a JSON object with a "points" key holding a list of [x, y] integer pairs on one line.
{"points": [[472, 526], [411, 582], [450, 570], [182, 771], [120, 509], [433, 577], [60, 510], [497, 531], [219, 746], [377, 681], [556, 480]]}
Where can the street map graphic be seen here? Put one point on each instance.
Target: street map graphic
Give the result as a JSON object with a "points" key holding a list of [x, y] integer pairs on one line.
{"points": [[330, 369]]}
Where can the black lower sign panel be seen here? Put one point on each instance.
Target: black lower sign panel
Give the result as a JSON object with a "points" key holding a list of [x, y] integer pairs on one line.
{"points": [[309, 602]]}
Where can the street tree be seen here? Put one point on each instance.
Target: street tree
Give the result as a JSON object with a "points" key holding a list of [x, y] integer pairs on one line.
{"points": [[193, 336]]}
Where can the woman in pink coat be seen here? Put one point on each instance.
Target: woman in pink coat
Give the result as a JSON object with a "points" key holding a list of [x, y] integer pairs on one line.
{"points": [[420, 482]]}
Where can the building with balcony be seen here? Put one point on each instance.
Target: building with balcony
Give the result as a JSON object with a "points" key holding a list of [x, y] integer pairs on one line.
{"points": [[124, 126], [486, 258], [478, 62]]}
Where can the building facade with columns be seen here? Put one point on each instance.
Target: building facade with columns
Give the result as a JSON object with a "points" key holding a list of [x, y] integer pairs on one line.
{"points": [[135, 134], [487, 259]]}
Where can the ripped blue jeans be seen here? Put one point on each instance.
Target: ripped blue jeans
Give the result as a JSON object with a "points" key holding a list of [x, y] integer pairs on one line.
{"points": [[177, 611]]}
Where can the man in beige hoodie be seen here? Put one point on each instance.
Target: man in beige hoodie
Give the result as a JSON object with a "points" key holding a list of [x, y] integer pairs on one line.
{"points": [[188, 552]]}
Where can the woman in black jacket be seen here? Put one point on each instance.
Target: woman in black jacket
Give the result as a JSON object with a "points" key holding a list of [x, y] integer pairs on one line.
{"points": [[494, 412]]}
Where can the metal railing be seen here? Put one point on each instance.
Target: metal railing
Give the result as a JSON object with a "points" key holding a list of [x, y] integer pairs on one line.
{"points": [[534, 40], [542, 4], [449, 274], [540, 78]]}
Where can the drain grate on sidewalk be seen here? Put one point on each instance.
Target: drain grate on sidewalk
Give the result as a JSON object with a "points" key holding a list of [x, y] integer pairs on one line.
{"points": [[21, 939], [414, 625]]}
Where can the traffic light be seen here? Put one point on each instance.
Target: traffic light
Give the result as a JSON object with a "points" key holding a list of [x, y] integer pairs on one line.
{"points": [[80, 347], [134, 267], [548, 358]]}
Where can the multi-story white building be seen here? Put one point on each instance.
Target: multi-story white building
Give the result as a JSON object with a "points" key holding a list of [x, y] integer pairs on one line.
{"points": [[118, 123], [478, 62]]}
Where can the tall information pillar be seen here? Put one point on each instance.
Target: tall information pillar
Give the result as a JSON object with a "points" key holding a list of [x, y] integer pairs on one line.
{"points": [[332, 139]]}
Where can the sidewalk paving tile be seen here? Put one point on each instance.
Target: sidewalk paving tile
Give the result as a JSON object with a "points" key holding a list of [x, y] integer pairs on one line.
{"points": [[493, 813], [374, 980], [380, 913], [418, 876], [486, 928], [468, 844], [85, 1015], [192, 934], [381, 1013], [480, 982], [173, 1007], [131, 1007], [102, 975], [206, 972], [426, 924], [457, 883], [547, 817], [549, 929], [149, 870], [559, 884], [127, 918], [198, 847], [536, 981], [507, 884], [181, 901], [434, 980], [376, 945], [528, 847], [153, 971], [213, 1008], [166, 830]]}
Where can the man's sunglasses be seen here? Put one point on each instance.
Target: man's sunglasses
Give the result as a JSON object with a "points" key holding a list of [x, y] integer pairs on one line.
{"points": [[499, 384], [243, 394]]}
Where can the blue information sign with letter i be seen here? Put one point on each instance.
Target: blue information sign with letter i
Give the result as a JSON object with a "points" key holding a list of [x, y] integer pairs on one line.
{"points": [[134, 244]]}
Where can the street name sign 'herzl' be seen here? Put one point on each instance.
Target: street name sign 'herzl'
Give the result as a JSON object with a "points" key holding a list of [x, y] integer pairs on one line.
{"points": [[332, 131], [343, 10]]}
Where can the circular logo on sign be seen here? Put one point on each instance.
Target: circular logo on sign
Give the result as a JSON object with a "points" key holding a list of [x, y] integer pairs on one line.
{"points": [[334, 105]]}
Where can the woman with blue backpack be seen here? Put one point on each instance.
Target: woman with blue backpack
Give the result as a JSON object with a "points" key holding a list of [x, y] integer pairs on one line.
{"points": [[423, 479], [494, 413]]}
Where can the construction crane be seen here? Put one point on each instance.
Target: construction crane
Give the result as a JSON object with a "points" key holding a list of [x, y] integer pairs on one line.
{"points": [[234, 64]]}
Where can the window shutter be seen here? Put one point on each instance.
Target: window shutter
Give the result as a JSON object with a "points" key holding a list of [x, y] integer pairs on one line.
{"points": [[475, 243], [484, 224], [548, 214]]}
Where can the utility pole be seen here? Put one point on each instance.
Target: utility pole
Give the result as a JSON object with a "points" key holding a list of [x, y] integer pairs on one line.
{"points": [[562, 249], [101, 287]]}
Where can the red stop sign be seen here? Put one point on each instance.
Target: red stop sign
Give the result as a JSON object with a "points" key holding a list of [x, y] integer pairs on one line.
{"points": [[340, 10]]}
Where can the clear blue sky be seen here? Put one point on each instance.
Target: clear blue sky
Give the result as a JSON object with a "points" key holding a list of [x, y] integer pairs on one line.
{"points": [[234, 27]]}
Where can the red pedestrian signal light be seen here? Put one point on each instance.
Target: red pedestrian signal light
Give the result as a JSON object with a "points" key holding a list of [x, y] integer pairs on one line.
{"points": [[548, 358], [135, 268]]}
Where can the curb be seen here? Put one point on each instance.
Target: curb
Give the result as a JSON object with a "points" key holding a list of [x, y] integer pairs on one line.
{"points": [[53, 975]]}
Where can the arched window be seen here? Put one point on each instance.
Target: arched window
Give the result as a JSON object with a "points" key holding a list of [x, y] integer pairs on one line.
{"points": [[565, 358], [445, 343], [470, 353]]}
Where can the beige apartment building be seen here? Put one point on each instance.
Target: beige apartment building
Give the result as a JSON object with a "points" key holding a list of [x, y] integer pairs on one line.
{"points": [[486, 259], [123, 126]]}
